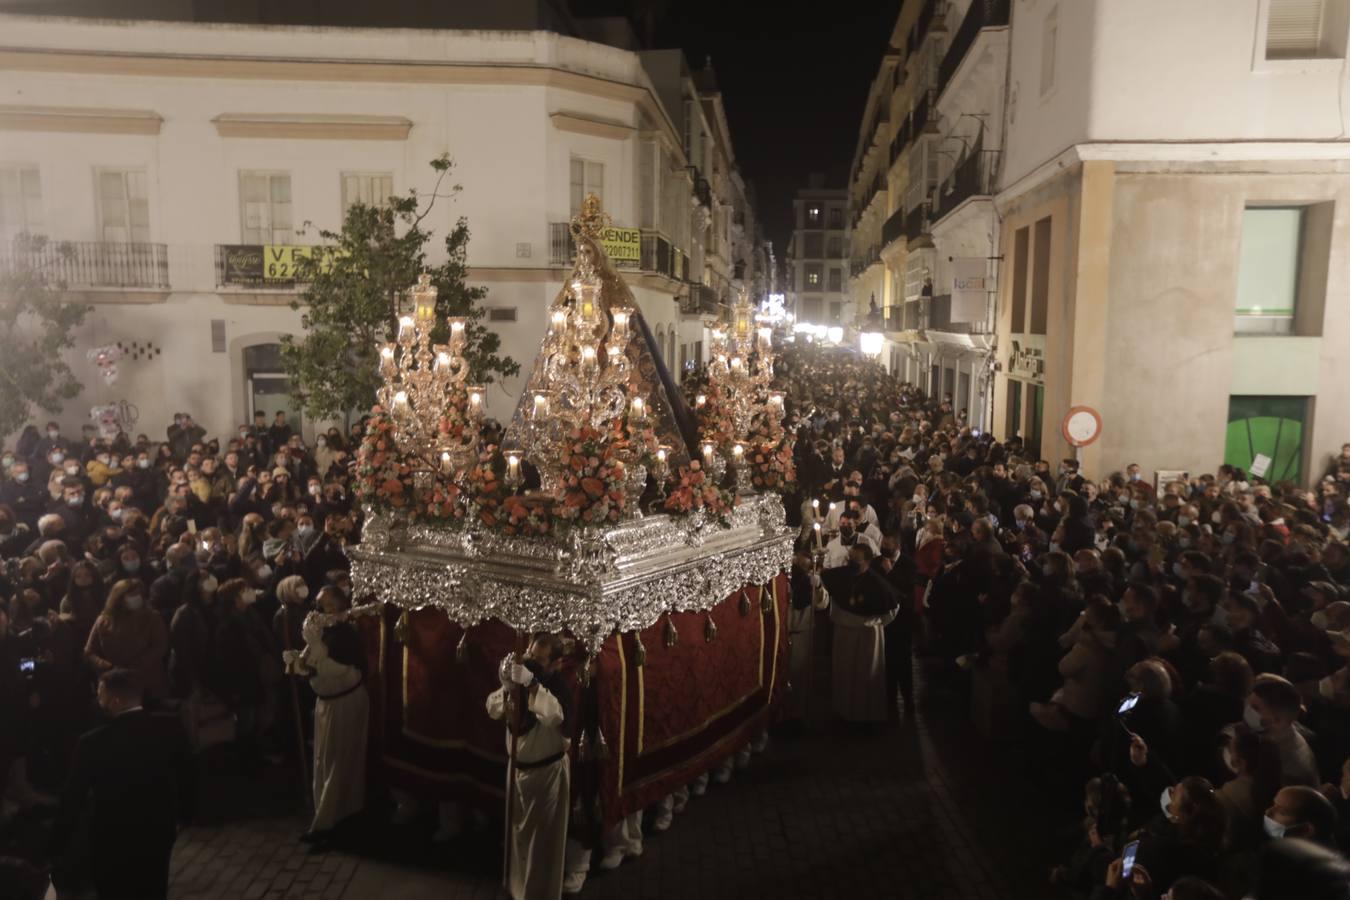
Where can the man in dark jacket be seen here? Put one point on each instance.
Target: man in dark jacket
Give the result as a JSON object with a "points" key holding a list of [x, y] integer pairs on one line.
{"points": [[138, 770], [21, 493]]}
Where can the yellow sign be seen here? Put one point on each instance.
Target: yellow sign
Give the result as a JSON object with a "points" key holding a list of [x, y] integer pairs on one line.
{"points": [[623, 246], [280, 260]]}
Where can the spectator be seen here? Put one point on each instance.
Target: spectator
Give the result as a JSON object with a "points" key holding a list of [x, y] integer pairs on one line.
{"points": [[128, 635]]}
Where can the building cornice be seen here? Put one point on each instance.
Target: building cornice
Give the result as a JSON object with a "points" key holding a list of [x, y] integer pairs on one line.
{"points": [[304, 126], [580, 123], [83, 120]]}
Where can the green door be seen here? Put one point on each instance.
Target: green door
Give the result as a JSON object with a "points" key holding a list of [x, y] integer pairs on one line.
{"points": [[1270, 426]]}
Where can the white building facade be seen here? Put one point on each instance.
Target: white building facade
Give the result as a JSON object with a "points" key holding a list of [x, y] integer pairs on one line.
{"points": [[183, 165]]}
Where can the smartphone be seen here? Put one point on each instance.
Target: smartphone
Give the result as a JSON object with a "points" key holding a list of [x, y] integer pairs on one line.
{"points": [[27, 666], [1127, 859], [1129, 703]]}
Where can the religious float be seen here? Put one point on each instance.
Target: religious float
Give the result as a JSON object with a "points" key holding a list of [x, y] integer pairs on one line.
{"points": [[648, 534]]}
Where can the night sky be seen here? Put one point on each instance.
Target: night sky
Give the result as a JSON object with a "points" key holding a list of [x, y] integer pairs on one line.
{"points": [[794, 79]]}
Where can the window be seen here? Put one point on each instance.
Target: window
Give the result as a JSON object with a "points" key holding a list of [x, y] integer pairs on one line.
{"points": [[813, 246], [836, 217], [1268, 269], [813, 275], [20, 201], [123, 206], [836, 248], [265, 207], [1040, 278], [836, 279], [501, 314], [813, 214], [369, 189], [1306, 29], [1021, 248], [587, 178], [836, 309], [1049, 40]]}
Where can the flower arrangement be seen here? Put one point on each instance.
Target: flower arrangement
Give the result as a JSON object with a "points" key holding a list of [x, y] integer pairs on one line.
{"points": [[382, 476], [592, 491], [771, 465], [692, 490]]}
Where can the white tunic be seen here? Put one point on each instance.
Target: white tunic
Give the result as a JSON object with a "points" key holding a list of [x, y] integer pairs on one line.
{"points": [[340, 732]]}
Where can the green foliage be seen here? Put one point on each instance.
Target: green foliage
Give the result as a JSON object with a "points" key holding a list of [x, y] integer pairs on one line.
{"points": [[35, 328], [351, 305]]}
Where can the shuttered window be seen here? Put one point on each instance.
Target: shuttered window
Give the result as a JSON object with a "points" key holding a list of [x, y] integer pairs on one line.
{"points": [[370, 189], [1294, 29]]}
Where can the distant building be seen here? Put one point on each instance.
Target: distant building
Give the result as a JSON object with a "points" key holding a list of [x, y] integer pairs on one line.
{"points": [[819, 255]]}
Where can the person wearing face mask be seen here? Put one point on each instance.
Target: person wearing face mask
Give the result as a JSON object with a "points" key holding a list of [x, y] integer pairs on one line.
{"points": [[168, 590], [130, 635], [837, 551], [138, 771], [23, 495], [192, 664], [1188, 837], [249, 662], [85, 598], [75, 511], [862, 604], [1273, 709], [294, 700], [52, 441], [1301, 812]]}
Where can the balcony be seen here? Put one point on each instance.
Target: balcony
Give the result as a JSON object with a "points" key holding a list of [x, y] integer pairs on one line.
{"points": [[703, 191], [262, 266], [700, 300], [981, 14], [860, 264], [91, 264], [894, 228], [973, 177], [940, 318], [653, 253], [916, 222]]}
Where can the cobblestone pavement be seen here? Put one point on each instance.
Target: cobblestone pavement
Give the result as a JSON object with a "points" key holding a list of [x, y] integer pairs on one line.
{"points": [[923, 810]]}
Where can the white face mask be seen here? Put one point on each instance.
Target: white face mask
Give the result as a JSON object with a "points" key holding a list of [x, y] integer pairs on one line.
{"points": [[72, 468], [1165, 801], [1184, 521], [1252, 718], [143, 463], [135, 602], [1273, 829], [1319, 620], [249, 597], [209, 584], [264, 571]]}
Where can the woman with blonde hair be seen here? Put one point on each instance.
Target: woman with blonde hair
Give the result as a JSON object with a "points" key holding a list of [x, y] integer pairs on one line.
{"points": [[130, 635]]}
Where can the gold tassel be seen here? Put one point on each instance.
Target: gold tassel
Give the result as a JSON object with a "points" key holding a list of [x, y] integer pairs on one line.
{"points": [[709, 629], [462, 648], [672, 637], [401, 628], [765, 601], [639, 651], [745, 603], [584, 748]]}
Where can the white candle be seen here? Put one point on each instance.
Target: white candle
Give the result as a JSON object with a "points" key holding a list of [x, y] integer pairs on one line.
{"points": [[738, 452], [513, 466], [475, 401], [405, 327], [540, 406], [559, 319], [639, 409], [815, 511], [587, 358], [707, 454], [816, 529], [401, 401], [442, 360], [700, 400]]}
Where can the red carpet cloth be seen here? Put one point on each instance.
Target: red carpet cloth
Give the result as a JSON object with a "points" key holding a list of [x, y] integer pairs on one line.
{"points": [[664, 723]]}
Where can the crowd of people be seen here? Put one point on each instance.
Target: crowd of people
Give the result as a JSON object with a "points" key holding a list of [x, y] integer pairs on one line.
{"points": [[151, 582], [1176, 652]]}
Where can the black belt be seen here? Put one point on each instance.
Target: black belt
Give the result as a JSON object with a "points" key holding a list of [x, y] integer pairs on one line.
{"points": [[546, 761], [341, 694]]}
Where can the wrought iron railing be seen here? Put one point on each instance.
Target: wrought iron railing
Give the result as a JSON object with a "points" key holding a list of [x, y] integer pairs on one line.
{"points": [[981, 14], [95, 264], [974, 176], [894, 228]]}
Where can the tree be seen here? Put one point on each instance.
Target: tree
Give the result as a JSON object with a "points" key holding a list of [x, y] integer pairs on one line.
{"points": [[352, 302], [36, 322]]}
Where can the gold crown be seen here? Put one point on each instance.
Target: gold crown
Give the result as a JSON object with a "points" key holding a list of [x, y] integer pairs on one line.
{"points": [[592, 221]]}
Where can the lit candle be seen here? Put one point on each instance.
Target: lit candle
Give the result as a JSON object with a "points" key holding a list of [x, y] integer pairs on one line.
{"points": [[816, 529], [587, 358], [559, 319], [738, 452], [442, 360], [620, 322], [513, 467], [457, 331], [765, 337], [707, 453], [405, 328], [540, 406], [425, 308], [737, 363], [475, 401], [700, 400], [639, 409], [401, 402], [815, 511], [387, 366], [662, 454], [445, 461]]}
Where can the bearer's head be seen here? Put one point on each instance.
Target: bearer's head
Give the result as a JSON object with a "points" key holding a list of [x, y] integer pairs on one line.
{"points": [[546, 649], [119, 691]]}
